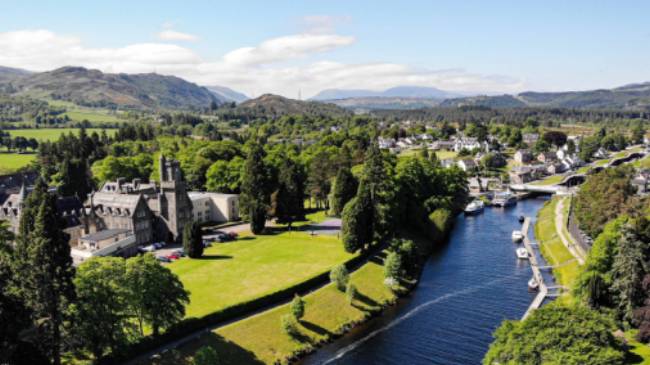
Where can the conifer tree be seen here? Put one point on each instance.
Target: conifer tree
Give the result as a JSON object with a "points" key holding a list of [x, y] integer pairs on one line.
{"points": [[192, 240], [254, 191], [345, 187]]}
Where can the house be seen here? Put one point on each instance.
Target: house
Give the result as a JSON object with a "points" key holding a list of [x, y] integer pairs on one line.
{"points": [[521, 175], [546, 157], [601, 153], [385, 143], [442, 145], [447, 162], [530, 138], [555, 168], [468, 144], [641, 181], [214, 207], [523, 156], [467, 164]]}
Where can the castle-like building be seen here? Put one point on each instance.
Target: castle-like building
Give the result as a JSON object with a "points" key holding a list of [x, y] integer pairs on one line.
{"points": [[150, 212]]}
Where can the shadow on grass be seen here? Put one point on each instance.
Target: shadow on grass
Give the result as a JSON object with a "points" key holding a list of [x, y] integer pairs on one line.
{"points": [[315, 328], [632, 358], [366, 300], [215, 257], [228, 352]]}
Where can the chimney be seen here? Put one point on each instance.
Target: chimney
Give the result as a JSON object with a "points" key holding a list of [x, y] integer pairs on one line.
{"points": [[120, 182]]}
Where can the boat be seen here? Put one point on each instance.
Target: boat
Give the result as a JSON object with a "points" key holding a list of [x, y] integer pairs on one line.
{"points": [[517, 236], [533, 285], [522, 253], [474, 207], [521, 219], [504, 199]]}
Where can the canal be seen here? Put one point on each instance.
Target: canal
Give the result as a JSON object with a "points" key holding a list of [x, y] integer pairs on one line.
{"points": [[467, 288]]}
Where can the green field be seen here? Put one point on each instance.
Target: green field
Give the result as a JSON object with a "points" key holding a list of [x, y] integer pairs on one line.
{"points": [[260, 339], [442, 155], [10, 162], [554, 251], [551, 180], [79, 113], [254, 266], [52, 134]]}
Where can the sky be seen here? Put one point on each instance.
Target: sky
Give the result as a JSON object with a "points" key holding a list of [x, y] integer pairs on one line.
{"points": [[296, 48]]}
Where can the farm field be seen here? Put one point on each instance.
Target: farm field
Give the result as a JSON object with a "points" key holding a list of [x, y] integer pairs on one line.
{"points": [[52, 134], [254, 266], [79, 114], [10, 162]]}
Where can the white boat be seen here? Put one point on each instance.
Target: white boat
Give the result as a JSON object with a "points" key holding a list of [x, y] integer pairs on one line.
{"points": [[533, 285], [522, 253], [504, 199], [475, 207], [517, 236]]}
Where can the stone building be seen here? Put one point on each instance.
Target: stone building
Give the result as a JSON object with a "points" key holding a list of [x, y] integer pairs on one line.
{"points": [[150, 212]]}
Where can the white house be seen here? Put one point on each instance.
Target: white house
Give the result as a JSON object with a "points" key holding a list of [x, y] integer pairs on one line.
{"points": [[467, 165], [468, 144], [385, 143], [530, 138], [214, 207]]}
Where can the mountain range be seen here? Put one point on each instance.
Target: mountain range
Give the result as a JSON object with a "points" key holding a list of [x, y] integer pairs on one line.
{"points": [[419, 92], [269, 105], [228, 94]]}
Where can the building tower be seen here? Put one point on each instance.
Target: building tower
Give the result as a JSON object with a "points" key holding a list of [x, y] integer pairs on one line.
{"points": [[175, 204]]}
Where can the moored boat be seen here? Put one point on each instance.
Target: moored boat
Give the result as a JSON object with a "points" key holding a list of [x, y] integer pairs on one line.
{"points": [[517, 236], [504, 199], [521, 219], [533, 285], [522, 253], [474, 207]]}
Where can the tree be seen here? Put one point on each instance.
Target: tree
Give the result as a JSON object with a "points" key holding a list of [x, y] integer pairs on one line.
{"points": [[556, 138], [340, 277], [255, 195], [345, 187], [356, 229], [297, 307], [101, 319], [588, 146], [287, 202], [555, 334], [46, 273], [351, 293], [290, 325], [393, 266], [638, 133], [206, 355], [156, 295], [193, 240], [571, 147], [628, 271], [225, 176]]}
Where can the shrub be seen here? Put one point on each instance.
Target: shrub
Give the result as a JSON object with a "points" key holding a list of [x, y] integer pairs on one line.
{"points": [[339, 276], [298, 307], [206, 355], [290, 325], [351, 292], [393, 265], [439, 223]]}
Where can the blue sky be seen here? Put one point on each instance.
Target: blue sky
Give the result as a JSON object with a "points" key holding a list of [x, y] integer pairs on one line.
{"points": [[281, 46]]}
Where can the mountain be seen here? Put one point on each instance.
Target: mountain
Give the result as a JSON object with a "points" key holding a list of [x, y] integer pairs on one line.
{"points": [[394, 92], [628, 97], [269, 105], [95, 88], [383, 102], [228, 94], [8, 74]]}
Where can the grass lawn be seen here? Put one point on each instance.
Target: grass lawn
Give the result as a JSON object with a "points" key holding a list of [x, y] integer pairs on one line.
{"points": [[79, 113], [442, 155], [254, 266], [260, 338], [10, 162], [551, 180], [52, 134], [552, 247], [642, 351], [643, 163]]}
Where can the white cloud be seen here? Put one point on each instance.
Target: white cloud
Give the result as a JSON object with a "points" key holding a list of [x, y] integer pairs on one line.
{"points": [[267, 67], [322, 23], [172, 35]]}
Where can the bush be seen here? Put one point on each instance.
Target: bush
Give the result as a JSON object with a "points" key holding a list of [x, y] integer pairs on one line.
{"points": [[290, 325], [393, 265], [340, 277], [439, 224], [298, 307], [206, 355], [351, 292]]}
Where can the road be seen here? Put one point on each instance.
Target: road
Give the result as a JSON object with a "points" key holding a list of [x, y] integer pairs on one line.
{"points": [[559, 228]]}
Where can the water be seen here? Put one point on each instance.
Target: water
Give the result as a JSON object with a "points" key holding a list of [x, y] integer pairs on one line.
{"points": [[467, 288]]}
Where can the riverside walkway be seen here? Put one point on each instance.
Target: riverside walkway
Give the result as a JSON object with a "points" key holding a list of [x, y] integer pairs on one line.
{"points": [[537, 274]]}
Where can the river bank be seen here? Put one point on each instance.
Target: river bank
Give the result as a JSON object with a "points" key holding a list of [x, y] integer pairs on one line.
{"points": [[467, 287]]}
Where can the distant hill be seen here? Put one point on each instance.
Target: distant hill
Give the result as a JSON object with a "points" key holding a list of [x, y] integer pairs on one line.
{"points": [[228, 94], [8, 74], [383, 102], [628, 97], [269, 105], [95, 88], [394, 92]]}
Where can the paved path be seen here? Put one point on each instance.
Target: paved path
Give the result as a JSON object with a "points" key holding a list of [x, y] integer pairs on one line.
{"points": [[543, 290], [560, 226]]}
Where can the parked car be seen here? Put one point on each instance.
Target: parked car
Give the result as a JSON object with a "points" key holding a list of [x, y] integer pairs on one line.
{"points": [[163, 259], [159, 245], [179, 253], [173, 257], [149, 248]]}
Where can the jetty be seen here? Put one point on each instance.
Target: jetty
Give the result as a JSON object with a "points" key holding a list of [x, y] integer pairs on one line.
{"points": [[537, 274]]}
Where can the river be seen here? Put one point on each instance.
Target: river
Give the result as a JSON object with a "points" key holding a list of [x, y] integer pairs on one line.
{"points": [[467, 288]]}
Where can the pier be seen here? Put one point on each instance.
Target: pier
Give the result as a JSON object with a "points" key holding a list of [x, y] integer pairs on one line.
{"points": [[537, 274]]}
